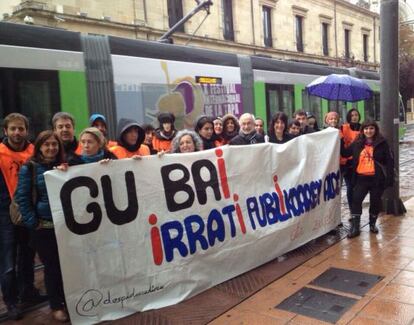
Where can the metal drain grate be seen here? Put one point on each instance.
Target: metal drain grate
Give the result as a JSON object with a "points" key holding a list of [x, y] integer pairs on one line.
{"points": [[357, 283], [317, 304]]}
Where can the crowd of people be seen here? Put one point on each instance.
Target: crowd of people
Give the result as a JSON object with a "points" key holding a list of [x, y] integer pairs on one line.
{"points": [[366, 166]]}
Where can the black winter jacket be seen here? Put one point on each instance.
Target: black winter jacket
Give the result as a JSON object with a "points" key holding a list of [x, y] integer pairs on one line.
{"points": [[243, 139], [383, 160], [286, 138]]}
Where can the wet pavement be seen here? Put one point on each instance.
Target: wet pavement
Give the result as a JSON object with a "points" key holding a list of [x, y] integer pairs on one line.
{"points": [[388, 256], [407, 163]]}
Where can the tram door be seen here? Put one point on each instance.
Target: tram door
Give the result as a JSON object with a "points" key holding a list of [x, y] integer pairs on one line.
{"points": [[33, 93], [279, 98]]}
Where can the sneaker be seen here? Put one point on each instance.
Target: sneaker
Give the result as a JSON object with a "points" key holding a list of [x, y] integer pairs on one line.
{"points": [[60, 316], [13, 312]]}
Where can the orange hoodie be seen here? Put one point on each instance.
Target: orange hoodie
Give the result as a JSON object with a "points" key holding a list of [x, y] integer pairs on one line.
{"points": [[10, 163], [121, 152]]}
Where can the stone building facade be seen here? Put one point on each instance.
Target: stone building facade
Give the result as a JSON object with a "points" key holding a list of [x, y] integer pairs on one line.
{"points": [[333, 32]]}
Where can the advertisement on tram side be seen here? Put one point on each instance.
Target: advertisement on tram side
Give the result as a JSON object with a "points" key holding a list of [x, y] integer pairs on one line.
{"points": [[145, 87]]}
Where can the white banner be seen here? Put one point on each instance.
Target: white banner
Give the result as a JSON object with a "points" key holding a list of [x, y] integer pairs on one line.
{"points": [[138, 235]]}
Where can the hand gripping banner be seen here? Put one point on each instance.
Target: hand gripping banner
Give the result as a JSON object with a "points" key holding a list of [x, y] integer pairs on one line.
{"points": [[135, 235]]}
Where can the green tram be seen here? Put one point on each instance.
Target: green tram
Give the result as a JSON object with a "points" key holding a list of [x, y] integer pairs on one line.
{"points": [[45, 70]]}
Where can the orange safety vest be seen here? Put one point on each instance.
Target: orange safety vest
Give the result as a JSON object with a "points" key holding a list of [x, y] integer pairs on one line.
{"points": [[121, 152], [349, 136], [111, 144], [161, 144], [366, 164], [10, 163], [78, 150], [219, 143]]}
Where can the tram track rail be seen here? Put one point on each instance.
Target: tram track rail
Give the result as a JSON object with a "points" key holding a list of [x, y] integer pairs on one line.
{"points": [[406, 161]]}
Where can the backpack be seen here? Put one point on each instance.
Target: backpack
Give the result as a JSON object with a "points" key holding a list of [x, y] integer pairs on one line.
{"points": [[14, 210]]}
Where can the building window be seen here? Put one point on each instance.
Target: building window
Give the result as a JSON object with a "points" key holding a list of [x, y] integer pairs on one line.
{"points": [[267, 26], [175, 13], [347, 44], [372, 107], [325, 36], [365, 45], [228, 31], [299, 33]]}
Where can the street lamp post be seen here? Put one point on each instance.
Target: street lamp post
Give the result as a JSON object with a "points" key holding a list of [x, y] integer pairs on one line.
{"points": [[390, 97]]}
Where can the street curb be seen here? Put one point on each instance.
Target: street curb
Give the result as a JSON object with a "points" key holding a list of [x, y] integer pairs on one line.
{"points": [[409, 205], [409, 125]]}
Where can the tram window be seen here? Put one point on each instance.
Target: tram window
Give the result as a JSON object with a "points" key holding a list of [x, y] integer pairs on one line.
{"points": [[377, 106], [34, 99], [369, 108], [273, 97], [312, 104], [372, 107], [338, 106], [142, 102], [34, 93], [287, 97], [279, 98]]}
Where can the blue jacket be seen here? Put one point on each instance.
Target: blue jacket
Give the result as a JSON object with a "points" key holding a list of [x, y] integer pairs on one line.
{"points": [[4, 195], [23, 195]]}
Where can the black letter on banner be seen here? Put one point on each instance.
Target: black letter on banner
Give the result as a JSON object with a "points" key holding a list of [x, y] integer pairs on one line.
{"points": [[94, 208], [173, 187], [202, 185], [116, 216]]}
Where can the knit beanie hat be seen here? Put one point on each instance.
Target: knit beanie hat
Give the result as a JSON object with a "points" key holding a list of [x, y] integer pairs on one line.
{"points": [[166, 118], [96, 116], [96, 133]]}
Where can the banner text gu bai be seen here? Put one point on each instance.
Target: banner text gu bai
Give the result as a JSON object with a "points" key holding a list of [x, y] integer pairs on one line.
{"points": [[138, 235]]}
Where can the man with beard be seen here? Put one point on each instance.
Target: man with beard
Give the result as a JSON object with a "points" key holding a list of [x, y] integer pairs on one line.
{"points": [[16, 257], [247, 133], [64, 125]]}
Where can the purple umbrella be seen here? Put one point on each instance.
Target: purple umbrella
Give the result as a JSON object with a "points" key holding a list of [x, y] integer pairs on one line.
{"points": [[340, 87]]}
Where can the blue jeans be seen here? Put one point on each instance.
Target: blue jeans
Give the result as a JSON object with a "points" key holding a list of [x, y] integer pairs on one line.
{"points": [[16, 261]]}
